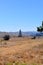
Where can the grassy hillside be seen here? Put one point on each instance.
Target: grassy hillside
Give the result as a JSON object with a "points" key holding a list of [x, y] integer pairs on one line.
{"points": [[23, 50]]}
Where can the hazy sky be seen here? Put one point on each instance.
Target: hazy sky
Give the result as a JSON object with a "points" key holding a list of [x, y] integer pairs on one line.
{"points": [[20, 14]]}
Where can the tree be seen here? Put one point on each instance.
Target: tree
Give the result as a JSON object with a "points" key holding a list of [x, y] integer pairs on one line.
{"points": [[42, 23], [6, 37], [40, 28], [20, 33]]}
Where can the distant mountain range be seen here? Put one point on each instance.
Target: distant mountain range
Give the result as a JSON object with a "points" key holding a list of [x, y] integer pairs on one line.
{"points": [[30, 33]]}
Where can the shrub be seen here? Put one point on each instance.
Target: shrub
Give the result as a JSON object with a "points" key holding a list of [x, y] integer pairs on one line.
{"points": [[6, 37], [34, 37]]}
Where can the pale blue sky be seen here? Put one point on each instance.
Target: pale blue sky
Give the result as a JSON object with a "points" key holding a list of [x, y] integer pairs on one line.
{"points": [[20, 14]]}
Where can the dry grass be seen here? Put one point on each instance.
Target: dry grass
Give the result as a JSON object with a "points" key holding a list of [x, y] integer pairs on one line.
{"points": [[22, 50]]}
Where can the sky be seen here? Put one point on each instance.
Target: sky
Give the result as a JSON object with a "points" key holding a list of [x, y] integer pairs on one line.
{"points": [[20, 14]]}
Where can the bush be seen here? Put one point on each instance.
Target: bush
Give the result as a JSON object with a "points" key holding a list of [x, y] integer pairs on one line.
{"points": [[6, 37], [34, 37]]}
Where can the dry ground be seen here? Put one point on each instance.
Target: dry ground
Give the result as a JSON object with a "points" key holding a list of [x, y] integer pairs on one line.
{"points": [[22, 49]]}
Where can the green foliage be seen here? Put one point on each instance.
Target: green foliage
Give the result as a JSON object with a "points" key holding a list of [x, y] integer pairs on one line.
{"points": [[40, 28], [42, 23]]}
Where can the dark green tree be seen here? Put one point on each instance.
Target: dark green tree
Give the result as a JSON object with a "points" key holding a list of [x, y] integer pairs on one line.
{"points": [[40, 28], [20, 33], [42, 23]]}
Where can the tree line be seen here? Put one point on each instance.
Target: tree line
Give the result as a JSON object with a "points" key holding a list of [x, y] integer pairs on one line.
{"points": [[39, 29]]}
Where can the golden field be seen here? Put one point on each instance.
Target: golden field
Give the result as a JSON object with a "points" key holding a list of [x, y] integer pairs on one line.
{"points": [[22, 49]]}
